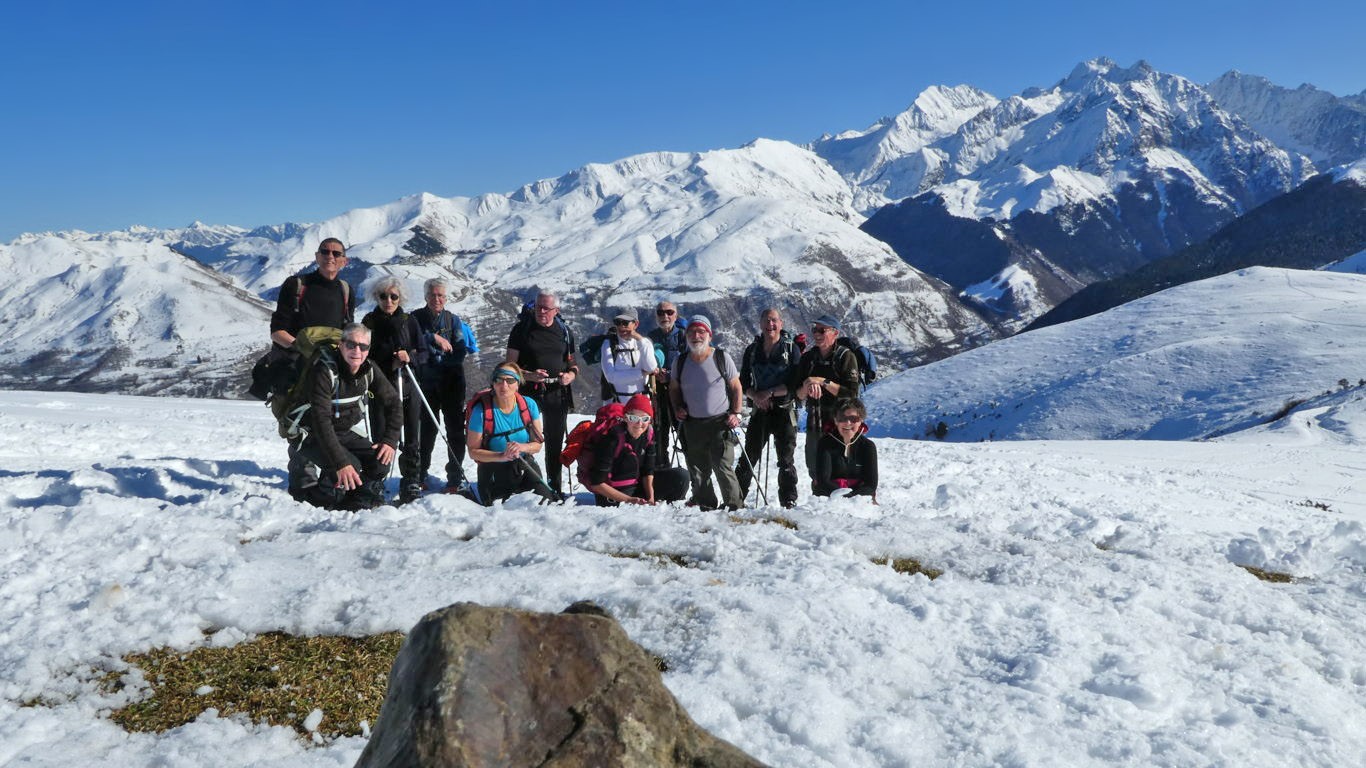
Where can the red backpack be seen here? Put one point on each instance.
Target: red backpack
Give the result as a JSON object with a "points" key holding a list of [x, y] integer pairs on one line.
{"points": [[587, 433], [484, 397], [583, 438]]}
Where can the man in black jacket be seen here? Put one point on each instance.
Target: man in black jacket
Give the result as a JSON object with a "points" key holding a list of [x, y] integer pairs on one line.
{"points": [[768, 374], [544, 348], [828, 374], [318, 298], [341, 391]]}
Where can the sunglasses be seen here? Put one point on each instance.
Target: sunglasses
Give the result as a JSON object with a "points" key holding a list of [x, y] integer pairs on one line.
{"points": [[546, 309], [622, 323], [508, 380], [332, 253], [665, 312], [349, 344], [637, 418], [819, 329], [848, 418], [389, 296]]}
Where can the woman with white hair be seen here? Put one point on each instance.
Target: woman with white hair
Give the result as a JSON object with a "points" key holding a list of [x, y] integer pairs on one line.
{"points": [[394, 340]]}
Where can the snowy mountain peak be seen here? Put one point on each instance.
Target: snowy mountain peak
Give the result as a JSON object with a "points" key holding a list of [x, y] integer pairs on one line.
{"points": [[1328, 129], [1105, 68]]}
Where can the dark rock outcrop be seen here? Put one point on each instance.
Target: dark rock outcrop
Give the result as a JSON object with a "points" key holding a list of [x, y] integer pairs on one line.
{"points": [[477, 686]]}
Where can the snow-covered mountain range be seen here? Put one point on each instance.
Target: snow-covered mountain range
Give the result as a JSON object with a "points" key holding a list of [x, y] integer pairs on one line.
{"points": [[1328, 129], [1198, 360], [995, 210], [1107, 170], [1321, 222]]}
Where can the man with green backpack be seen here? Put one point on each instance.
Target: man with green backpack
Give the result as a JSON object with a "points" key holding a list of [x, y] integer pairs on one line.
{"points": [[327, 417], [321, 300]]}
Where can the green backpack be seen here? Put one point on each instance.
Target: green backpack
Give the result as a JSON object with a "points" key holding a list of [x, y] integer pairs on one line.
{"points": [[317, 347]]}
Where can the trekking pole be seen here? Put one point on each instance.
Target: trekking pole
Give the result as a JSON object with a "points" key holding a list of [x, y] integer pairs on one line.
{"points": [[739, 437], [554, 496], [428, 406], [766, 442]]}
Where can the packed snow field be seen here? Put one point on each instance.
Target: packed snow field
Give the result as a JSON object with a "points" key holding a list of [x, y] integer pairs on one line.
{"points": [[1091, 609]]}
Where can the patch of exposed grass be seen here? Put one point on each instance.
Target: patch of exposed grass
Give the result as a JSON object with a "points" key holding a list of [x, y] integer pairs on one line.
{"points": [[276, 678], [909, 566], [1275, 577], [660, 558], [776, 520]]}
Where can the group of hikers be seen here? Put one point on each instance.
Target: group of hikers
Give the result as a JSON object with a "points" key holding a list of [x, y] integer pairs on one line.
{"points": [[354, 397]]}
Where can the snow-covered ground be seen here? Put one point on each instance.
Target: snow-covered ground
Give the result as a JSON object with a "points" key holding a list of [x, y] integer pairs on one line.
{"points": [[1091, 610]]}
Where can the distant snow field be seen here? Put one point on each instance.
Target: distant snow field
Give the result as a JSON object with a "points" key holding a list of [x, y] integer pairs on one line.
{"points": [[1092, 608]]}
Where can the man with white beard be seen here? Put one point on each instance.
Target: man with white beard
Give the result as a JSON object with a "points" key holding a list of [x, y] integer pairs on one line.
{"points": [[706, 398]]}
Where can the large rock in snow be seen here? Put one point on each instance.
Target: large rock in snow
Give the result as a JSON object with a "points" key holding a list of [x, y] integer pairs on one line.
{"points": [[478, 686]]}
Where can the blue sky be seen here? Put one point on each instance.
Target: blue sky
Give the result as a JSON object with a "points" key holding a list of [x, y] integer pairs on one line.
{"points": [[250, 113]]}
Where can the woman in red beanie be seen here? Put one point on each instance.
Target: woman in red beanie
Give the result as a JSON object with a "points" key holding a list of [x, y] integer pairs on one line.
{"points": [[624, 458]]}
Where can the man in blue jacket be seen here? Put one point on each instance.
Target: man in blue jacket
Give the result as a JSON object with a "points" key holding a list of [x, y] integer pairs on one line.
{"points": [[446, 341], [669, 338]]}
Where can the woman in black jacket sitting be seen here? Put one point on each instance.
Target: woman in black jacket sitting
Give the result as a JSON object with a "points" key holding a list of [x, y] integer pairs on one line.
{"points": [[624, 458], [845, 457]]}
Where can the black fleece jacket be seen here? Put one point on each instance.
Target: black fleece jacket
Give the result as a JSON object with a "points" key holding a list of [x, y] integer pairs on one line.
{"points": [[327, 419]]}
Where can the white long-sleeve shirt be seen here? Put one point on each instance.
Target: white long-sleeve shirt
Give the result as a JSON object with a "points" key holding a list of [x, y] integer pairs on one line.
{"points": [[627, 369]]}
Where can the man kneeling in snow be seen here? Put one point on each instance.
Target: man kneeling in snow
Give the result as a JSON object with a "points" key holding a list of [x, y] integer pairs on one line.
{"points": [[339, 439]]}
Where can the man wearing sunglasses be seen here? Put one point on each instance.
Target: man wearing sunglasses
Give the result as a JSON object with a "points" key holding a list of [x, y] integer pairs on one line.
{"points": [[544, 348], [354, 462], [319, 298], [669, 338], [828, 373]]}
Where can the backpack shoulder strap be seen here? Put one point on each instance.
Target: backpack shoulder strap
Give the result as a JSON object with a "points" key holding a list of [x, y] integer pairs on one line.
{"points": [[718, 355], [486, 400]]}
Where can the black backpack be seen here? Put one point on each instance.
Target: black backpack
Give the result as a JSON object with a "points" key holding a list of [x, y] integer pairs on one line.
{"points": [[867, 362]]}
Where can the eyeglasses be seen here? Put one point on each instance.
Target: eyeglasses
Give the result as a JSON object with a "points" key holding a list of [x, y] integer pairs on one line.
{"points": [[848, 418], [637, 418], [389, 296], [332, 253], [666, 312], [622, 323], [819, 329], [506, 380], [349, 344]]}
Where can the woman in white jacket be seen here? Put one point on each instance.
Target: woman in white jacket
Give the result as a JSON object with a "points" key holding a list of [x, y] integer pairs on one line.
{"points": [[628, 357]]}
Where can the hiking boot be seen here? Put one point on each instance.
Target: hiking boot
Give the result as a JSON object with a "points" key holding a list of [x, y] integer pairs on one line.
{"points": [[409, 493]]}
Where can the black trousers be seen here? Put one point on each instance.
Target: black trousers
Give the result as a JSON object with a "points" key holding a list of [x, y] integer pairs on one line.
{"points": [[445, 391], [499, 480], [781, 425], [363, 457], [409, 457], [556, 402], [664, 425]]}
